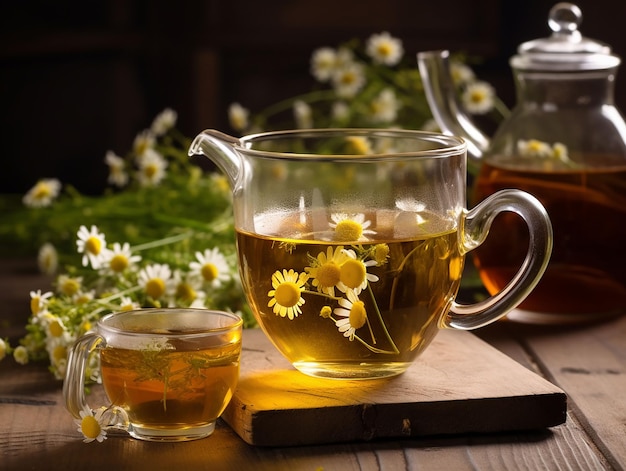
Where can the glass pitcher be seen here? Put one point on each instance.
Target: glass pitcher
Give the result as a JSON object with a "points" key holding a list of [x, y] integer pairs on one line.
{"points": [[565, 143]]}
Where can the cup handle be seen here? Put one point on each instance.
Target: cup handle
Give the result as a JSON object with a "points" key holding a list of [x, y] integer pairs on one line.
{"points": [[74, 384], [474, 231]]}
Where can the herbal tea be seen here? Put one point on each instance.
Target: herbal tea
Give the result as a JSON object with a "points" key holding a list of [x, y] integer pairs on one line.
{"points": [[359, 309], [585, 276], [165, 388]]}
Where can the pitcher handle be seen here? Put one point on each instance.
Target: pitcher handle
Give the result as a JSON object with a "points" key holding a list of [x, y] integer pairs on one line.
{"points": [[475, 229], [74, 385]]}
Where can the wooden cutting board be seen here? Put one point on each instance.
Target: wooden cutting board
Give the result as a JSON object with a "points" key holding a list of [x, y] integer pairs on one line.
{"points": [[459, 385]]}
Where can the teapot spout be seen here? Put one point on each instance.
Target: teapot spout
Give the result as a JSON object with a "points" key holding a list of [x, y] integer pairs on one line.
{"points": [[220, 148], [444, 102]]}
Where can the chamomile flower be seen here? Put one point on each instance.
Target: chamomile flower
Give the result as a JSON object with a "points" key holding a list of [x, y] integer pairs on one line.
{"points": [[4, 348], [20, 355], [325, 269], [238, 117], [286, 296], [39, 301], [155, 280], [350, 227], [323, 63], [47, 259], [152, 167], [384, 107], [348, 80], [478, 97], [187, 288], [461, 73], [69, 285], [303, 114], [340, 111], [358, 145], [143, 142], [92, 426], [163, 122], [534, 148], [91, 243], [211, 266], [353, 275], [83, 297], [559, 152], [117, 169], [43, 193], [353, 313], [384, 49], [120, 258], [127, 304]]}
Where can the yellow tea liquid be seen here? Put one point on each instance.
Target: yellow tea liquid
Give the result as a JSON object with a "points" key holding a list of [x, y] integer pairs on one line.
{"points": [[587, 207], [170, 389], [412, 269]]}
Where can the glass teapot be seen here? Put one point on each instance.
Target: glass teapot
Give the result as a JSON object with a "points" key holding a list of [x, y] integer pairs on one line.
{"points": [[565, 143]]}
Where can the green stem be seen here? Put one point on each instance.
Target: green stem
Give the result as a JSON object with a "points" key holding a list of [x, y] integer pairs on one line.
{"points": [[161, 242], [380, 318]]}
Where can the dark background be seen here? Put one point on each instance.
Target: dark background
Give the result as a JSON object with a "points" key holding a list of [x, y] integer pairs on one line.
{"points": [[78, 78]]}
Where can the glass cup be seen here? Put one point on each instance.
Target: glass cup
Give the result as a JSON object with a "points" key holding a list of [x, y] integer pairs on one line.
{"points": [[352, 242], [168, 373]]}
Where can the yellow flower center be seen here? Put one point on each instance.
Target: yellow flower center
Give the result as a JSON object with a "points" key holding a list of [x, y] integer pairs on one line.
{"points": [[82, 299], [352, 273], [90, 427], [348, 230], [477, 96], [357, 145], [209, 271], [287, 294], [384, 50], [381, 252], [155, 288], [70, 287], [325, 312], [59, 353], [328, 275], [56, 329], [358, 316], [118, 263], [93, 245], [34, 305], [42, 191], [185, 292], [150, 170]]}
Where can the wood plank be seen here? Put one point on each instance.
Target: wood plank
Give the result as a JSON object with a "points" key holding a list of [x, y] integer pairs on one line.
{"points": [[589, 362], [459, 385]]}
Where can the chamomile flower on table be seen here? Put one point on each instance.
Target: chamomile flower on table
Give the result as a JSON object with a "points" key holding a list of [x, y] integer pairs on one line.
{"points": [[151, 169], [43, 193], [92, 426], [91, 243], [119, 259], [384, 107], [384, 49], [69, 285], [478, 97], [323, 63], [39, 301], [348, 80], [211, 266], [163, 122], [303, 114], [353, 315], [20, 355], [238, 117], [118, 175], [48, 259], [156, 280], [286, 297], [144, 141]]}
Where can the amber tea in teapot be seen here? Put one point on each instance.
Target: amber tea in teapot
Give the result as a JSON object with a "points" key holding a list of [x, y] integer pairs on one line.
{"points": [[587, 208]]}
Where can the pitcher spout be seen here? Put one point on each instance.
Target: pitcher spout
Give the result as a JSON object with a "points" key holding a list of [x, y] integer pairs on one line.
{"points": [[445, 105], [220, 148]]}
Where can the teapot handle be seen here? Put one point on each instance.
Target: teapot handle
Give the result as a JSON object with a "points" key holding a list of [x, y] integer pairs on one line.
{"points": [[474, 231]]}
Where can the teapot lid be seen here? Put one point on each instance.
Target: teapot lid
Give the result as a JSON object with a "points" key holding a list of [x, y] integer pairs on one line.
{"points": [[566, 49]]}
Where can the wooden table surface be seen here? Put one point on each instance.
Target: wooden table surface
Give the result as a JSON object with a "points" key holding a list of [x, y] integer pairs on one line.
{"points": [[587, 362]]}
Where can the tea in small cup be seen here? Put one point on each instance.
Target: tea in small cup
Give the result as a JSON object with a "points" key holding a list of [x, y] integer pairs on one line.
{"points": [[171, 371]]}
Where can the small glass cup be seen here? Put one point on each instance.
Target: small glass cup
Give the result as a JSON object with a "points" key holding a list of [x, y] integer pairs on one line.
{"points": [[169, 373]]}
